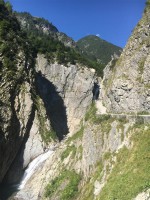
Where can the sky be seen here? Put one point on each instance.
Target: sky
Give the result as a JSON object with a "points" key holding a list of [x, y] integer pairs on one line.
{"points": [[111, 20]]}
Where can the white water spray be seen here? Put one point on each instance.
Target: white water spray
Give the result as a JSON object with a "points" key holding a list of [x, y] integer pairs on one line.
{"points": [[33, 166]]}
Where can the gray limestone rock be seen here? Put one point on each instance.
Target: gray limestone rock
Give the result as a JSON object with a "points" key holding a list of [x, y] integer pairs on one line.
{"points": [[127, 79], [73, 84]]}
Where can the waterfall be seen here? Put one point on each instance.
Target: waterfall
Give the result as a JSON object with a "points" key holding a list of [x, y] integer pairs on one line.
{"points": [[33, 166]]}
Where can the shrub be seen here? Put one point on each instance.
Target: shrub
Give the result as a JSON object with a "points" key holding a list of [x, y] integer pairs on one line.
{"points": [[70, 149], [68, 178]]}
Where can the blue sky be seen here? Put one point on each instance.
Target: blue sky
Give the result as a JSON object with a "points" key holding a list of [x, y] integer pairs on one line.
{"points": [[112, 20]]}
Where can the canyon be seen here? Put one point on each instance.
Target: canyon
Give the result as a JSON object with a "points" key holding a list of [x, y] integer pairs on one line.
{"points": [[61, 139]]}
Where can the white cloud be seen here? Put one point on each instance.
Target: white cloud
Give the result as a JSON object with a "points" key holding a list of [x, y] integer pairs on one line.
{"points": [[98, 35]]}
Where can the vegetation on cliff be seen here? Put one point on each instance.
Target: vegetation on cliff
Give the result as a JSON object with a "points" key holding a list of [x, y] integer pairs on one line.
{"points": [[98, 50], [15, 49], [130, 175], [91, 164], [65, 186], [43, 36]]}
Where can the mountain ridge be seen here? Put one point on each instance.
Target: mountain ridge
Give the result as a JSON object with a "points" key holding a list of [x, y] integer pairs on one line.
{"points": [[42, 31], [98, 49], [29, 22]]}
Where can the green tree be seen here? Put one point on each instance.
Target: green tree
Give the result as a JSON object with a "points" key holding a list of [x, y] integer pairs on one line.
{"points": [[8, 6], [1, 2]]}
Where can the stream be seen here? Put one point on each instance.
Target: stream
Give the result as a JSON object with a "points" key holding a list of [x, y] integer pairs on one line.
{"points": [[7, 190], [32, 168]]}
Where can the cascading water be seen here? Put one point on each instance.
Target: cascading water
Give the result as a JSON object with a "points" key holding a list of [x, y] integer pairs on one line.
{"points": [[7, 190], [33, 166]]}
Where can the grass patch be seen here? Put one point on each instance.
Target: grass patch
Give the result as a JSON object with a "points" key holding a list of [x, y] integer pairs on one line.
{"points": [[68, 178], [147, 86], [80, 151], [122, 120], [48, 135], [120, 126], [103, 120], [122, 136], [88, 190], [106, 125], [143, 113], [130, 175], [77, 135], [91, 113], [99, 119], [139, 122], [98, 172], [107, 155], [141, 65], [70, 149]]}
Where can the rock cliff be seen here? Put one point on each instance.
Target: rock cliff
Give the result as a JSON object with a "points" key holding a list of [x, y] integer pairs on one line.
{"points": [[108, 157], [127, 79], [61, 98], [74, 84], [40, 102], [96, 154], [16, 76]]}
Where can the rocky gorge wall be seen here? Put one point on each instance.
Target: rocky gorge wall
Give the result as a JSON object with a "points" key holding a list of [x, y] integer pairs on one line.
{"points": [[17, 122], [51, 110], [127, 79], [107, 158], [93, 153], [74, 84], [95, 156]]}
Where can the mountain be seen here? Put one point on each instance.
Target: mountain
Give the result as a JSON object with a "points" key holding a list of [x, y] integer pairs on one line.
{"points": [[66, 133], [98, 49], [42, 26], [47, 40]]}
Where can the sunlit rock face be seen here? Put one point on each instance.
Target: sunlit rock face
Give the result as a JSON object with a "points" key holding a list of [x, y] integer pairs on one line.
{"points": [[57, 99], [127, 79], [64, 94], [74, 85]]}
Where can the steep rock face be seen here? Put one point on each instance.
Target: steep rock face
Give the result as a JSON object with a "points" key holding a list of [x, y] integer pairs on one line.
{"points": [[20, 138], [74, 84], [17, 124], [60, 101], [32, 146], [105, 148], [31, 115], [16, 77], [93, 152], [127, 79], [18, 115], [109, 150]]}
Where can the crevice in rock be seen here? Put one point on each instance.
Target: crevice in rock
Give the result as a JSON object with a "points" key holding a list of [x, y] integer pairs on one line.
{"points": [[19, 157], [96, 91], [15, 171]]}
